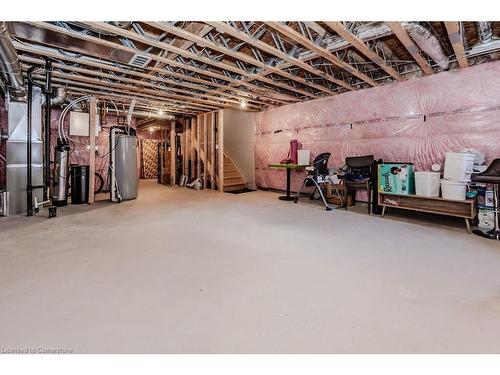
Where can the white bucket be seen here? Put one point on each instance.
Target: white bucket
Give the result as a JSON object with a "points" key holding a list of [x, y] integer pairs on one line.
{"points": [[458, 166], [454, 190], [427, 183]]}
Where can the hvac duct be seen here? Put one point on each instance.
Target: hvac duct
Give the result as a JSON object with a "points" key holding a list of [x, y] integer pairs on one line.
{"points": [[424, 39], [427, 42], [10, 64], [142, 114], [58, 96], [484, 31], [487, 43]]}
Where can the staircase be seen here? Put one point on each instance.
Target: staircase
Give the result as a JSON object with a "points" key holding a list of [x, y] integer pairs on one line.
{"points": [[233, 179]]}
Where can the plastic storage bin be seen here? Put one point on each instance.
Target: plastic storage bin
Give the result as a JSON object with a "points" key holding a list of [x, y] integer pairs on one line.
{"points": [[458, 166], [454, 190], [427, 184]]}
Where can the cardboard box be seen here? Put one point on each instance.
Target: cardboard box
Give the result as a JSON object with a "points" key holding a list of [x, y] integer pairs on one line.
{"points": [[395, 178], [334, 198]]}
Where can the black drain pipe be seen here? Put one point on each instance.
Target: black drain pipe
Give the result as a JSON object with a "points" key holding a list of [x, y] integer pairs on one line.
{"points": [[29, 173], [29, 186], [48, 95]]}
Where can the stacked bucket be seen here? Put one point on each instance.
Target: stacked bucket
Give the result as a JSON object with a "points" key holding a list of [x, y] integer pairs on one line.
{"points": [[458, 168]]}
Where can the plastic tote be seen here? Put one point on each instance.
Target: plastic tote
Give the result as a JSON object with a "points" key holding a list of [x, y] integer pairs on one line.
{"points": [[427, 184], [454, 190], [458, 166]]}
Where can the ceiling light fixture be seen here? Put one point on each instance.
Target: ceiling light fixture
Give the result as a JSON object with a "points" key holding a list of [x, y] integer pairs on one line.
{"points": [[243, 104]]}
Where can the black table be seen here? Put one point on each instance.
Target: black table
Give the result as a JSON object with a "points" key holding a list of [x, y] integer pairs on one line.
{"points": [[288, 168]]}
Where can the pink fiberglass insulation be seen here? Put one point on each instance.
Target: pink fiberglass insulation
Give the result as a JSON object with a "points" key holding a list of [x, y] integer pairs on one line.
{"points": [[414, 121]]}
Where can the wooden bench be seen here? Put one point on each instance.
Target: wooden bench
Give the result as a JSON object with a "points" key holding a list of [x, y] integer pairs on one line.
{"points": [[465, 209]]}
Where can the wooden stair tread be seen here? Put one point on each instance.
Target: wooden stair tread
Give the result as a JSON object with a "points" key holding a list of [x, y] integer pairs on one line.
{"points": [[233, 180], [235, 183]]}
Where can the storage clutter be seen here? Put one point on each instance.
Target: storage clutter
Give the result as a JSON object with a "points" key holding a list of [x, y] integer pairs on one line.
{"points": [[458, 168]]}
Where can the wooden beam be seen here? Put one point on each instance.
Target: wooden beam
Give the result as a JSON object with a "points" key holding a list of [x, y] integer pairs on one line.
{"points": [[173, 154], [357, 43], [302, 40], [184, 81], [193, 150], [186, 153], [205, 72], [194, 103], [81, 81], [457, 42], [212, 150], [199, 124], [121, 98], [192, 96], [220, 149], [205, 150], [92, 135], [197, 57], [316, 27], [194, 27], [225, 28], [411, 47], [237, 55]]}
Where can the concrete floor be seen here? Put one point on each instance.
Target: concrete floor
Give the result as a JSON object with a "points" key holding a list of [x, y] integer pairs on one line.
{"points": [[183, 271]]}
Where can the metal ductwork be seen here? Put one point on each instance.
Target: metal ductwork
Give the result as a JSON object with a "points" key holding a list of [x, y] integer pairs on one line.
{"points": [[10, 65], [487, 43], [142, 114], [59, 96], [424, 39], [427, 42], [484, 32]]}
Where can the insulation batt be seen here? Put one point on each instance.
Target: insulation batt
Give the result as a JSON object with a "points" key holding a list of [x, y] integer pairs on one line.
{"points": [[413, 121]]}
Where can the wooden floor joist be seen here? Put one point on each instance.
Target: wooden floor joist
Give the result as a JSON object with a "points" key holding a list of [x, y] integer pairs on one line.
{"points": [[170, 62], [410, 46], [456, 40], [238, 55], [357, 43], [197, 57], [225, 28], [302, 40], [181, 80]]}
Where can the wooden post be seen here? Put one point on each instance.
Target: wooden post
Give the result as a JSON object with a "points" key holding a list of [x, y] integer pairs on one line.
{"points": [[173, 154], [193, 150], [187, 150], [184, 147], [205, 150], [92, 126], [212, 150], [198, 155], [220, 150]]}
